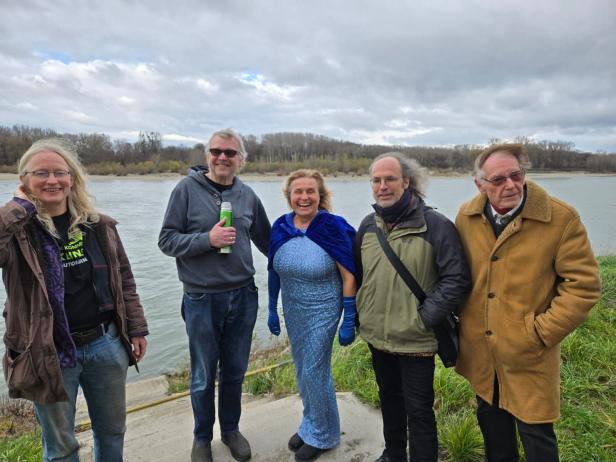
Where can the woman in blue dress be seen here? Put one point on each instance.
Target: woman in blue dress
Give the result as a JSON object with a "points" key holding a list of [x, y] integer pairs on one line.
{"points": [[311, 262]]}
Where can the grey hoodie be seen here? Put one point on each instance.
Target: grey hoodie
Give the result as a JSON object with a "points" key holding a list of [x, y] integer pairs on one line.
{"points": [[193, 209]]}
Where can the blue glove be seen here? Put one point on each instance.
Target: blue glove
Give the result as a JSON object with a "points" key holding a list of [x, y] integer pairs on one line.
{"points": [[346, 334], [273, 288], [273, 322]]}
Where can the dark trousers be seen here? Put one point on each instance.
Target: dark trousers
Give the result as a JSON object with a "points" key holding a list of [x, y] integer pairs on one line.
{"points": [[499, 435], [407, 398]]}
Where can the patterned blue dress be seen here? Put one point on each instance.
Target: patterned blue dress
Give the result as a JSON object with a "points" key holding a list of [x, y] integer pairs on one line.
{"points": [[311, 298]]}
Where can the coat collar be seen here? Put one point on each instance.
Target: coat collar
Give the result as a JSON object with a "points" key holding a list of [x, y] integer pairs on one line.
{"points": [[537, 206]]}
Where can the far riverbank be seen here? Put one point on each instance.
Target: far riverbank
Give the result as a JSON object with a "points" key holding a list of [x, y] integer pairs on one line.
{"points": [[273, 177]]}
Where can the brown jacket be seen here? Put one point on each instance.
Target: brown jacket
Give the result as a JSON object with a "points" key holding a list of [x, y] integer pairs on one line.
{"points": [[31, 365], [531, 287]]}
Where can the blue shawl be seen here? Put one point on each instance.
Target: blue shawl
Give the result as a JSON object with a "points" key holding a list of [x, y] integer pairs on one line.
{"points": [[330, 232]]}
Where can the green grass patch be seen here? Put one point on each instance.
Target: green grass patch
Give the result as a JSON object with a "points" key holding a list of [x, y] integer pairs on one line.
{"points": [[25, 448], [20, 441], [587, 429], [179, 380], [352, 371], [459, 436], [271, 371], [607, 266]]}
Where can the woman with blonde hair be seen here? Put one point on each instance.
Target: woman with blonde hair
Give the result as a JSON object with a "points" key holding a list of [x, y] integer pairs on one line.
{"points": [[72, 314], [311, 260]]}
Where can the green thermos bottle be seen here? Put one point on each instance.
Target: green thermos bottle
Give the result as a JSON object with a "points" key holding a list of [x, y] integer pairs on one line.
{"points": [[225, 212]]}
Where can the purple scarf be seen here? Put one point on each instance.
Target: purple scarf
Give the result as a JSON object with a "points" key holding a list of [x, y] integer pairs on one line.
{"points": [[53, 273]]}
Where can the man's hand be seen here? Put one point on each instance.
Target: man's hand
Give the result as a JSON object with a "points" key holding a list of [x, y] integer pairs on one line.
{"points": [[139, 346], [221, 236]]}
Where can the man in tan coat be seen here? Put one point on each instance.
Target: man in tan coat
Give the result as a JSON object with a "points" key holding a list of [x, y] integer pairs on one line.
{"points": [[535, 279]]}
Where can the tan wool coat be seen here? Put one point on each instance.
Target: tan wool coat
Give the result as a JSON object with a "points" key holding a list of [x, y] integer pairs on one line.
{"points": [[531, 287]]}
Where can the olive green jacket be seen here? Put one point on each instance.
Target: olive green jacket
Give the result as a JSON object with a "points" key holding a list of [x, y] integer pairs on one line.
{"points": [[428, 245]]}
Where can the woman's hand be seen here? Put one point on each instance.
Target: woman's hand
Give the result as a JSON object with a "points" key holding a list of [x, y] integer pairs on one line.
{"points": [[346, 334], [273, 288], [273, 321]]}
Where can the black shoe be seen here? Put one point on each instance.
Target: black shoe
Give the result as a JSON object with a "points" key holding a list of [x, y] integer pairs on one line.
{"points": [[308, 453], [201, 452], [295, 443], [238, 445], [385, 457]]}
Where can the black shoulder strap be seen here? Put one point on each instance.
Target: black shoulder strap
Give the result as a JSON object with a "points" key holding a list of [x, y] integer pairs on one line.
{"points": [[399, 266]]}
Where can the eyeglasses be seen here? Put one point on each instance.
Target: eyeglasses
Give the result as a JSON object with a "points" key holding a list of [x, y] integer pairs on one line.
{"points": [[227, 152], [387, 180], [44, 174], [516, 177]]}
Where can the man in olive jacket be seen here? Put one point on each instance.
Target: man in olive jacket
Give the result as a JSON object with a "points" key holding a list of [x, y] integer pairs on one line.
{"points": [[534, 280], [398, 330]]}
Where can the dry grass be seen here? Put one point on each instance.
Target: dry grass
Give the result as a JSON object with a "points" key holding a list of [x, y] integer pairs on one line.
{"points": [[16, 417]]}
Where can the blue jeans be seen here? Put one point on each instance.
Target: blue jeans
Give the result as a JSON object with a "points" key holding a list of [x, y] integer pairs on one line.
{"points": [[219, 328], [101, 372], [406, 392]]}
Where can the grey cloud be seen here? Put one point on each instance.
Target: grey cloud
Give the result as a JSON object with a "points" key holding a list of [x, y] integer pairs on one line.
{"points": [[411, 72]]}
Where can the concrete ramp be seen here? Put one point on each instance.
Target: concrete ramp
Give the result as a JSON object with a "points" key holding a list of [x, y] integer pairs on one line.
{"points": [[163, 433]]}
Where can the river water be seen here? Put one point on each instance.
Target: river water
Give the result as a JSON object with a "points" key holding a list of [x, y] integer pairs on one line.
{"points": [[139, 205]]}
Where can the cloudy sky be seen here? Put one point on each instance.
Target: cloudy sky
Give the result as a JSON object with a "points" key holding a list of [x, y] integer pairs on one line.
{"points": [[389, 71]]}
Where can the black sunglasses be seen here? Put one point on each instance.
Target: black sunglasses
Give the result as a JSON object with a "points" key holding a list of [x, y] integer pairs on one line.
{"points": [[227, 152]]}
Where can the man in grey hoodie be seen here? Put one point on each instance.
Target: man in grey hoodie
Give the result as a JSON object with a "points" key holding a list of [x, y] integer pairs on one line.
{"points": [[220, 303]]}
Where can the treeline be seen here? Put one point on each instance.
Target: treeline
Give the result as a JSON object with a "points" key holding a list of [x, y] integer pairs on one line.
{"points": [[101, 154], [281, 153]]}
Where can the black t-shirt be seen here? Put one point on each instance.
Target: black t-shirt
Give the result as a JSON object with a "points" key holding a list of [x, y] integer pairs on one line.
{"points": [[219, 187], [80, 301]]}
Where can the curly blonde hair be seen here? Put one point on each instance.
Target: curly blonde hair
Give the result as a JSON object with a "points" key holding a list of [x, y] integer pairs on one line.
{"points": [[325, 195], [80, 201]]}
